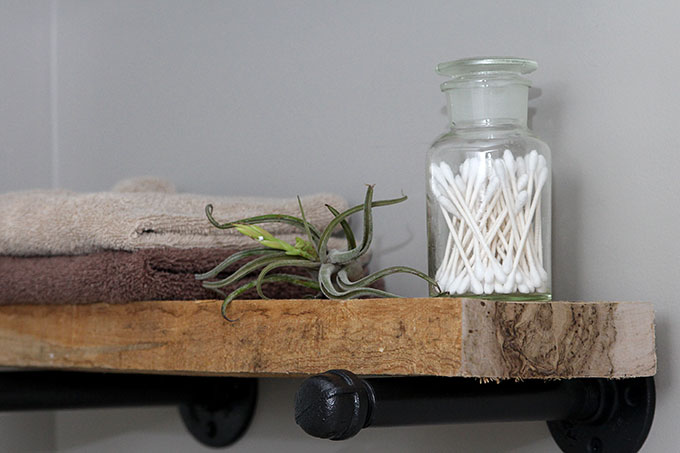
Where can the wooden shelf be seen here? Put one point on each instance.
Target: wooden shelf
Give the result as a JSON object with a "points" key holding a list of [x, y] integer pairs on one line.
{"points": [[437, 336]]}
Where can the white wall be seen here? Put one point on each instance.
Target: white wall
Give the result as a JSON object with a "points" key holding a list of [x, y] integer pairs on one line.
{"points": [[281, 98]]}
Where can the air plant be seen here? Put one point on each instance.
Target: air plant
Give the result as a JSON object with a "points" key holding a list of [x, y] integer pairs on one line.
{"points": [[335, 274]]}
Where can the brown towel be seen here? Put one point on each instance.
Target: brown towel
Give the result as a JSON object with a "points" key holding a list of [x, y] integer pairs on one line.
{"points": [[117, 277]]}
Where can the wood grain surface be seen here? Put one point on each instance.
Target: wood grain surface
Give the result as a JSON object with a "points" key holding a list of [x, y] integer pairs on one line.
{"points": [[437, 336]]}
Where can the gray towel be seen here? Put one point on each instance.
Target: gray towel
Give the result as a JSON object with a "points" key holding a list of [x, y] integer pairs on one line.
{"points": [[60, 222]]}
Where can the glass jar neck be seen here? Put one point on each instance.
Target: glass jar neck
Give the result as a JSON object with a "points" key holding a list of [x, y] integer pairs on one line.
{"points": [[488, 104]]}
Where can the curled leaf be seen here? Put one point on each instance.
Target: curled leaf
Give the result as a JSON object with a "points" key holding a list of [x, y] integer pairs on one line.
{"points": [[268, 218], [283, 262], [328, 231], [236, 257], [276, 278], [244, 270], [349, 234], [313, 251]]}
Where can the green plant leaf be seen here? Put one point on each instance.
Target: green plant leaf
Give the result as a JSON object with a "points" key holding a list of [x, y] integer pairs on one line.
{"points": [[268, 218], [245, 270], [344, 257], [329, 290], [306, 249], [301, 248], [276, 278], [307, 229], [238, 256], [282, 263], [361, 292], [349, 234], [254, 232], [328, 231], [346, 284]]}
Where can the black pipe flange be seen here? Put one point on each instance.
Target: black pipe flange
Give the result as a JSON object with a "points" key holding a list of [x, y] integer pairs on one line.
{"points": [[620, 426], [219, 417]]}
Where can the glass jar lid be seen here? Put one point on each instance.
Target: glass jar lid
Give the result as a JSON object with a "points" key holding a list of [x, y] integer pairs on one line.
{"points": [[486, 71], [478, 65]]}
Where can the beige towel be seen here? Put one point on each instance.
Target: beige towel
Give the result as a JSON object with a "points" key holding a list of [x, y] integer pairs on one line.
{"points": [[60, 222]]}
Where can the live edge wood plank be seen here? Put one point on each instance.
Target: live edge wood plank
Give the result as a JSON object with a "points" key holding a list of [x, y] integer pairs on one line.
{"points": [[436, 336]]}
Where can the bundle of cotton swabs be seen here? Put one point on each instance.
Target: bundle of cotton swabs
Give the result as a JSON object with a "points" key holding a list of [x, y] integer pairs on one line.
{"points": [[492, 208]]}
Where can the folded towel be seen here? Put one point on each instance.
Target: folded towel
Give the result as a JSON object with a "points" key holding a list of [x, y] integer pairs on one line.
{"points": [[118, 277], [60, 222]]}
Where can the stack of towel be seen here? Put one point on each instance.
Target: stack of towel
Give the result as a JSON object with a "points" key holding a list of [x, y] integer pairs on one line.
{"points": [[141, 241]]}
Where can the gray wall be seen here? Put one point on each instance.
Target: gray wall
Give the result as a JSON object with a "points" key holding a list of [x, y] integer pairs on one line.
{"points": [[25, 154], [274, 98]]}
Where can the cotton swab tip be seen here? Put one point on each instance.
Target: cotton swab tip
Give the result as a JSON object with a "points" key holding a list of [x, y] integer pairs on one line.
{"points": [[478, 268], [499, 168], [448, 206], [536, 280], [464, 285], [446, 172], [463, 171], [481, 169], [509, 285], [453, 283], [522, 182], [542, 163], [509, 160], [488, 275], [438, 176], [472, 172], [460, 183], [434, 183], [521, 166], [507, 262], [498, 273], [532, 160], [476, 286]]}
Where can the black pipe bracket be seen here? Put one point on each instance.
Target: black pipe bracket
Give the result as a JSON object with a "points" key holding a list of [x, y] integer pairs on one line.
{"points": [[216, 410], [583, 415], [621, 424], [222, 416]]}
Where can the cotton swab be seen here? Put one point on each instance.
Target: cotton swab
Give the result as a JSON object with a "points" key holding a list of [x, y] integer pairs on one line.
{"points": [[542, 178], [441, 179], [492, 209], [446, 170]]}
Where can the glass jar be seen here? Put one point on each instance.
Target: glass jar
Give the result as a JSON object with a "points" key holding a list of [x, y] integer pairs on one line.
{"points": [[488, 186]]}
